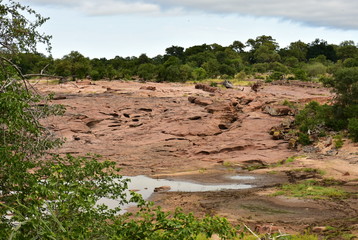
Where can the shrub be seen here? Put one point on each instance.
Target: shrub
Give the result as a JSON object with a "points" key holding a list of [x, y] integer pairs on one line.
{"points": [[304, 139], [240, 76], [300, 74], [276, 76], [313, 117], [315, 69], [353, 128], [338, 141]]}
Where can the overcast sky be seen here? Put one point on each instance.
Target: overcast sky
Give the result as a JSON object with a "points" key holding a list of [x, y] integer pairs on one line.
{"points": [[109, 28]]}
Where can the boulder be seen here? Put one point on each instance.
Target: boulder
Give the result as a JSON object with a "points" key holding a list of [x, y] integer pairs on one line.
{"points": [[151, 88], [206, 88], [200, 101], [162, 189], [277, 110], [228, 84]]}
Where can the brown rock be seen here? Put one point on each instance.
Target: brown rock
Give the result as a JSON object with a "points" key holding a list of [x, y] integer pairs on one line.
{"points": [[277, 110], [84, 82], [319, 229], [162, 189], [256, 86], [218, 107], [263, 229], [151, 88], [277, 135], [292, 143], [200, 100], [203, 101], [206, 88], [191, 99]]}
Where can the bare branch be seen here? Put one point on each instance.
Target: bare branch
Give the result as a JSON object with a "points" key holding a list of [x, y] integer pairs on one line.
{"points": [[14, 66], [42, 71], [252, 232], [40, 75]]}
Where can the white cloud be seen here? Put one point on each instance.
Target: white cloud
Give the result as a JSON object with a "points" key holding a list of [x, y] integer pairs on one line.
{"points": [[104, 7], [112, 7], [327, 13]]}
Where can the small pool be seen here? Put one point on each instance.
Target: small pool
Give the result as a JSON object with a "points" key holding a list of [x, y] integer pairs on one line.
{"points": [[145, 186]]}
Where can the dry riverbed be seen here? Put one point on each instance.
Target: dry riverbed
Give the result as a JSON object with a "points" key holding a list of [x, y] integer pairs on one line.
{"points": [[177, 132]]}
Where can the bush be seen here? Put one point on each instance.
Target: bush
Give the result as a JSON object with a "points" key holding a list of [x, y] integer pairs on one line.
{"points": [[241, 76], [353, 128], [338, 141], [301, 74], [313, 117], [276, 76], [304, 139], [346, 86], [315, 69]]}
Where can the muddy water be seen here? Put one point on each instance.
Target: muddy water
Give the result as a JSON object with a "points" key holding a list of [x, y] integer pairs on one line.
{"points": [[145, 186]]}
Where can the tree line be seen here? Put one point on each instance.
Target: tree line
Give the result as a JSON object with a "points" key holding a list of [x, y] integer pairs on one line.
{"points": [[302, 61]]}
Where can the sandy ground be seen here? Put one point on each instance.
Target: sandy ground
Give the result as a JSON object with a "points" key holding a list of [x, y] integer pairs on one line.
{"points": [[174, 131]]}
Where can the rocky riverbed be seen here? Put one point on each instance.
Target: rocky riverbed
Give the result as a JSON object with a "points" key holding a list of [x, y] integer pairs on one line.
{"points": [[176, 131]]}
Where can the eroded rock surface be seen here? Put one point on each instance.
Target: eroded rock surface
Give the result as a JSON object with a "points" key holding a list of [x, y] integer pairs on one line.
{"points": [[176, 127]]}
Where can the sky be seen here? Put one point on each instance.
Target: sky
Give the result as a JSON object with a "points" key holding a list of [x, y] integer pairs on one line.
{"points": [[109, 28]]}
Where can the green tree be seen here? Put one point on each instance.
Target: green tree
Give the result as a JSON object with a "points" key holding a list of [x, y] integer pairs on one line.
{"points": [[76, 64], [347, 49], [263, 49], [346, 87], [321, 47], [199, 74], [147, 71], [295, 49], [237, 46], [175, 51]]}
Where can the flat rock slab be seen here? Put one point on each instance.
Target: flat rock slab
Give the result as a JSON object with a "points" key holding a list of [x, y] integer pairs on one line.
{"points": [[174, 128]]}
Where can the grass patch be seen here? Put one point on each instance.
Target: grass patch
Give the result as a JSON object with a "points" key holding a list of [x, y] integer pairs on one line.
{"points": [[338, 141], [218, 82], [44, 81], [312, 190], [228, 164], [285, 161], [310, 170]]}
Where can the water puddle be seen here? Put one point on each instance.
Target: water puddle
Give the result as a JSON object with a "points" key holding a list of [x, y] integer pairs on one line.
{"points": [[241, 177], [146, 186]]}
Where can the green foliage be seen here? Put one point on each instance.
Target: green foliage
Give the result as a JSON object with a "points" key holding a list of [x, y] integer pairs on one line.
{"points": [[289, 104], [315, 69], [276, 76], [320, 47], [346, 86], [54, 197], [240, 76], [199, 74], [20, 32], [313, 117], [353, 128], [213, 84], [338, 141], [301, 74], [304, 139], [62, 203], [147, 71], [311, 189]]}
